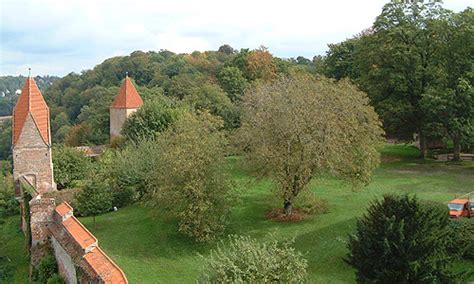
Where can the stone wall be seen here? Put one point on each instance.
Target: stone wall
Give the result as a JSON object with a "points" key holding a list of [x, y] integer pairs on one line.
{"points": [[65, 263], [32, 158], [41, 216]]}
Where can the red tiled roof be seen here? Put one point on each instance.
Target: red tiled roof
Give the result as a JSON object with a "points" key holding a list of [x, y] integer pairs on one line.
{"points": [[128, 96], [459, 201], [31, 101], [105, 268], [80, 234], [63, 208]]}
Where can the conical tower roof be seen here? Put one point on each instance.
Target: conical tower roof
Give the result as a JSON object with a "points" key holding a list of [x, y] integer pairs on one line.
{"points": [[31, 101], [128, 96]]}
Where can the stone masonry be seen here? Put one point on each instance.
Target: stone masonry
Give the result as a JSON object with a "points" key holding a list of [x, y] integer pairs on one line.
{"points": [[32, 158]]}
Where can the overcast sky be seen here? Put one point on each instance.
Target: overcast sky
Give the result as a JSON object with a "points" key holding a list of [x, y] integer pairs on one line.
{"points": [[60, 36]]}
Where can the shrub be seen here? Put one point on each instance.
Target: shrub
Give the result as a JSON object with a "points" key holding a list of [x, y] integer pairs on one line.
{"points": [[69, 165], [245, 260], [128, 171], [8, 203], [462, 238], [404, 240], [6, 269], [55, 279], [154, 117], [94, 199], [45, 269]]}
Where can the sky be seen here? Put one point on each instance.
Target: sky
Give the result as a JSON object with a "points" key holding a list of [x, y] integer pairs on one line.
{"points": [[56, 37]]}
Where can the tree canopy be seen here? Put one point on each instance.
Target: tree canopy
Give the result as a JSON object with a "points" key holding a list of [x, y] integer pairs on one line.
{"points": [[300, 126], [188, 180]]}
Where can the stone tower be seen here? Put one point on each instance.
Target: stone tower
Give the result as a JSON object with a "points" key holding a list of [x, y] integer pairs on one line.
{"points": [[32, 139], [127, 102]]}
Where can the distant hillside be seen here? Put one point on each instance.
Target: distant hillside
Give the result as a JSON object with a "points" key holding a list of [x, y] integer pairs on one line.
{"points": [[10, 86], [214, 80]]}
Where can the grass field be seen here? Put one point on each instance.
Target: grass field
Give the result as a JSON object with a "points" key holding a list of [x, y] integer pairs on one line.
{"points": [[150, 250], [13, 246]]}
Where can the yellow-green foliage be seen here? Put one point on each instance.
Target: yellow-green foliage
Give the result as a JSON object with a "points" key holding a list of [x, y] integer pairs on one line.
{"points": [[189, 179], [300, 126], [245, 260]]}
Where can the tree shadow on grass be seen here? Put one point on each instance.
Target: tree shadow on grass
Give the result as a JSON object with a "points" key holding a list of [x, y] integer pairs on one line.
{"points": [[325, 248]]}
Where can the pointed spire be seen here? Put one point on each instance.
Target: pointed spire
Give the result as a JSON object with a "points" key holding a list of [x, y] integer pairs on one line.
{"points": [[31, 101], [128, 96]]}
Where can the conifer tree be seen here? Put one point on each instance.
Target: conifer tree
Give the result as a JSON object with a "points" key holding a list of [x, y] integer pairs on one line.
{"points": [[402, 240]]}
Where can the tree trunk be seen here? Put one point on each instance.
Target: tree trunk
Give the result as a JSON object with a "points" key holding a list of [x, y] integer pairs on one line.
{"points": [[288, 207], [423, 148], [457, 148]]}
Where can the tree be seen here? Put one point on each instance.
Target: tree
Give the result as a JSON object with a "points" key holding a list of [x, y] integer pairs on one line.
{"points": [[233, 82], [60, 126], [153, 117], [227, 49], [300, 126], [450, 99], [245, 260], [6, 140], [79, 135], [212, 98], [404, 240], [94, 199], [256, 64], [339, 61], [69, 165], [396, 63], [58, 122], [97, 114], [182, 85], [260, 65], [454, 109], [8, 204], [129, 171], [189, 180]]}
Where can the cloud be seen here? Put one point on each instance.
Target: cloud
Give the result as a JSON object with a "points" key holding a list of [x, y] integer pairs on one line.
{"points": [[57, 36]]}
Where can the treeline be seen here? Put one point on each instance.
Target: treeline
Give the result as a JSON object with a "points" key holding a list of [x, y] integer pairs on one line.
{"points": [[415, 63], [214, 80], [10, 85]]}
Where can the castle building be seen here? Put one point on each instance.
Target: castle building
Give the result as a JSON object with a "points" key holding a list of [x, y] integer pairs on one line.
{"points": [[32, 139], [127, 102]]}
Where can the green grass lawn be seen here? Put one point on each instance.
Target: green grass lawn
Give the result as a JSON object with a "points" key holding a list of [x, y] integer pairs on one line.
{"points": [[151, 251], [13, 246]]}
